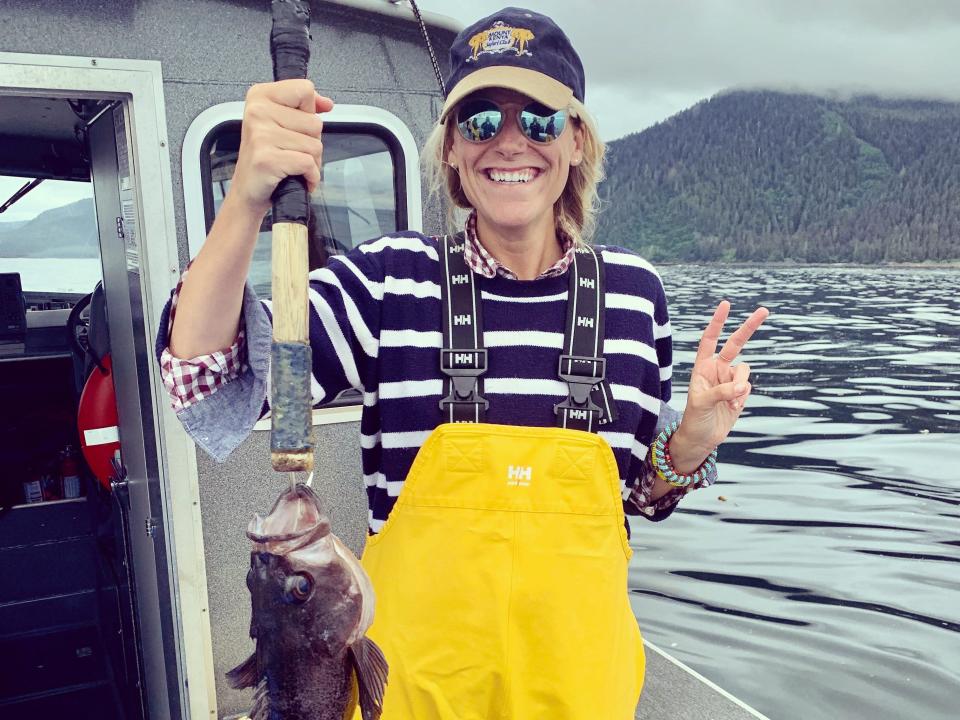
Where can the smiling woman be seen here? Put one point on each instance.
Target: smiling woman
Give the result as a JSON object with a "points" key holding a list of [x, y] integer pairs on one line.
{"points": [[516, 384]]}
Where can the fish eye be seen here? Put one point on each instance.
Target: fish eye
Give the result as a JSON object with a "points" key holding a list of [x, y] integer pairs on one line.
{"points": [[296, 588]]}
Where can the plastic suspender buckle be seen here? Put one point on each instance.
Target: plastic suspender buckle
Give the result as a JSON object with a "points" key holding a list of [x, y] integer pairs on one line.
{"points": [[463, 367], [581, 374]]}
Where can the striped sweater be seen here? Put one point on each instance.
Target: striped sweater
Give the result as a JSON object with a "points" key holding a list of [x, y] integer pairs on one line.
{"points": [[375, 326]]}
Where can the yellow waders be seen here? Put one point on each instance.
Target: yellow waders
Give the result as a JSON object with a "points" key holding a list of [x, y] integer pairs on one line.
{"points": [[501, 581]]}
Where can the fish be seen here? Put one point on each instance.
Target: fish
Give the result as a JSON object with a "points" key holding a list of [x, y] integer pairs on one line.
{"points": [[311, 606]]}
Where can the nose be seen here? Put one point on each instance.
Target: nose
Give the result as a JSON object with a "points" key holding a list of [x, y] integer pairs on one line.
{"points": [[510, 140]]}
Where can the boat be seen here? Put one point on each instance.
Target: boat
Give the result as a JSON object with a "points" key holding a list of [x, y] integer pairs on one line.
{"points": [[126, 599]]}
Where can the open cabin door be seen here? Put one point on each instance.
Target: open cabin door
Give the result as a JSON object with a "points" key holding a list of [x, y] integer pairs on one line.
{"points": [[114, 176]]}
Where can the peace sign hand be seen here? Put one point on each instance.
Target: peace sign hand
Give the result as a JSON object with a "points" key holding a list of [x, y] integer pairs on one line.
{"points": [[718, 389]]}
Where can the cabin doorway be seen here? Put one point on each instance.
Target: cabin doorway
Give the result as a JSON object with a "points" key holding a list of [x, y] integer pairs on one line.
{"points": [[88, 616]]}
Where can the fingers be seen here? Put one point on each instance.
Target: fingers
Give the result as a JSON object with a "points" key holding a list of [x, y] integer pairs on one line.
{"points": [[740, 387], [733, 394], [280, 136], [291, 93], [708, 342], [263, 114], [323, 104], [734, 344]]}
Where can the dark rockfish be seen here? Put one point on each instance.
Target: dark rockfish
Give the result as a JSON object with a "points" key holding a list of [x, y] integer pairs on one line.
{"points": [[312, 603]]}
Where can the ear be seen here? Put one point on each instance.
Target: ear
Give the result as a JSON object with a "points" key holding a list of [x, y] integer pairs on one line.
{"points": [[576, 157], [452, 158]]}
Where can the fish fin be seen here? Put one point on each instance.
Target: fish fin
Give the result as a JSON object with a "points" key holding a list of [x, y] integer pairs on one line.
{"points": [[260, 710], [245, 674], [371, 669]]}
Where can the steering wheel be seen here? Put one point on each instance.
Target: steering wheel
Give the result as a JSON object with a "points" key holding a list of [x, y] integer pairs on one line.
{"points": [[78, 325], [78, 329]]}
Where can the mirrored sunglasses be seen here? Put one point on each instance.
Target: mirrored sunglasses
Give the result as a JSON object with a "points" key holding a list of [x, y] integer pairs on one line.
{"points": [[482, 120]]}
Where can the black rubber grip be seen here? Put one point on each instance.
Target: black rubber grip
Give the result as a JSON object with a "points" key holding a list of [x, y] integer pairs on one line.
{"points": [[290, 52]]}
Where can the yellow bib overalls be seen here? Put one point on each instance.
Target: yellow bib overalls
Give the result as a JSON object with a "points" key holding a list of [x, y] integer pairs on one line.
{"points": [[501, 572], [501, 579]]}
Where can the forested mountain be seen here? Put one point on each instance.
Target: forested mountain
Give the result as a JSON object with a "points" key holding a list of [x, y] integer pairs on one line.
{"points": [[769, 176], [68, 231]]}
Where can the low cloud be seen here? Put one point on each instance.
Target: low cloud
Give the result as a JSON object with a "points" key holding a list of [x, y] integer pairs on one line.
{"points": [[643, 58]]}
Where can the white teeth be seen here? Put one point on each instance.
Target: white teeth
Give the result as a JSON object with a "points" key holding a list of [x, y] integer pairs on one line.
{"points": [[513, 176]]}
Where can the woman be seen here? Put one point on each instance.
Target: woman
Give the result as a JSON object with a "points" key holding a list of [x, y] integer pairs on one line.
{"points": [[498, 547]]}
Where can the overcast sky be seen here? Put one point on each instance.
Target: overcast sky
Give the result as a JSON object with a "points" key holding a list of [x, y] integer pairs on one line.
{"points": [[646, 60]]}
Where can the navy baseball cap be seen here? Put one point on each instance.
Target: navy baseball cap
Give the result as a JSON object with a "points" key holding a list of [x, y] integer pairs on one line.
{"points": [[520, 50]]}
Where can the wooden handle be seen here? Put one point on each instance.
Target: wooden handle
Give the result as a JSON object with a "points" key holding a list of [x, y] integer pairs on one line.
{"points": [[290, 268]]}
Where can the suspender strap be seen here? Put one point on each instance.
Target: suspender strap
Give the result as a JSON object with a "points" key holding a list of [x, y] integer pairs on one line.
{"points": [[589, 402], [463, 359]]}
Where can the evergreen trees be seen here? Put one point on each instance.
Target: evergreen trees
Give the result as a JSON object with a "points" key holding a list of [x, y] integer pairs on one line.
{"points": [[768, 176]]}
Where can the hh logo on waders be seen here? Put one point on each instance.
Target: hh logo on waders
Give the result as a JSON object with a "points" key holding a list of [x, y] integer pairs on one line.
{"points": [[518, 475]]}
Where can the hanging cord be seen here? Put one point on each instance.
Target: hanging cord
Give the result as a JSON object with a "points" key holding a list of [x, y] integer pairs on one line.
{"points": [[433, 57]]}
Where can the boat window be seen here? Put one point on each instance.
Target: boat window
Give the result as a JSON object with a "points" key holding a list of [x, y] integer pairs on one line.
{"points": [[48, 236], [357, 200]]}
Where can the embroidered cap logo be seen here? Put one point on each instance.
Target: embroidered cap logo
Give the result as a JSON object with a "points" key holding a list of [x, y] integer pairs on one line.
{"points": [[500, 38]]}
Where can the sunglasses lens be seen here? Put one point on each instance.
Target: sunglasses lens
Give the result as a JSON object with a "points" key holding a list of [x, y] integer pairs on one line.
{"points": [[479, 120], [542, 124]]}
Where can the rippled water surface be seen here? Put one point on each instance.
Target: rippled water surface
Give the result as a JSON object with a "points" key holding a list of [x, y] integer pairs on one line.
{"points": [[821, 578]]}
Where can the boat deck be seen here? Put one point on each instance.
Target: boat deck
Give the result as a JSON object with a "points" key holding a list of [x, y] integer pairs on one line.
{"points": [[673, 690]]}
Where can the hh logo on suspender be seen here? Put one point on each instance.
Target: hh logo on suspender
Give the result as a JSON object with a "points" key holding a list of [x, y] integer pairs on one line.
{"points": [[462, 358], [460, 279], [518, 475], [462, 320], [575, 414], [583, 321], [586, 282]]}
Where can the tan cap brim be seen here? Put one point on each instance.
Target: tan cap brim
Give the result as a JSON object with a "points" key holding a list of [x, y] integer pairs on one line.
{"points": [[533, 84]]}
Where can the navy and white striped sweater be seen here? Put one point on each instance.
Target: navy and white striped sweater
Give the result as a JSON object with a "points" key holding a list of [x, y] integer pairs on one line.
{"points": [[375, 326]]}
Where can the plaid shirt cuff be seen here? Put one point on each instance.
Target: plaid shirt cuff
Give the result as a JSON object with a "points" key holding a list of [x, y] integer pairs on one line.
{"points": [[190, 381], [638, 499]]}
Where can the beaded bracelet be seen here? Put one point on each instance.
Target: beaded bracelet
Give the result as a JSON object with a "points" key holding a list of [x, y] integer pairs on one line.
{"points": [[663, 463]]}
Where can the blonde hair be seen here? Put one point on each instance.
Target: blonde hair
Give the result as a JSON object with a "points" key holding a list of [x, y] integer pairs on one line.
{"points": [[575, 211]]}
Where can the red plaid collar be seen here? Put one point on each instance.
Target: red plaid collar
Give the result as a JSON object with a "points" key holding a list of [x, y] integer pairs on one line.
{"points": [[481, 261]]}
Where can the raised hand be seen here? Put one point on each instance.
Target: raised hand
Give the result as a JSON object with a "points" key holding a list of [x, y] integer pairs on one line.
{"points": [[718, 388], [280, 136]]}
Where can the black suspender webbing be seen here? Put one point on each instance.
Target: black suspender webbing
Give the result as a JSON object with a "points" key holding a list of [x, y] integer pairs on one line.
{"points": [[582, 366], [463, 359]]}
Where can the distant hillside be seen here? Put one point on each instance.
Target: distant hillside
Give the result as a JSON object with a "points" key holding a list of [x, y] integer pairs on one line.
{"points": [[69, 231], [768, 176]]}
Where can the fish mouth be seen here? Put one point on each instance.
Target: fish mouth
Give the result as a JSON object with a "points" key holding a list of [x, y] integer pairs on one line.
{"points": [[296, 519]]}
